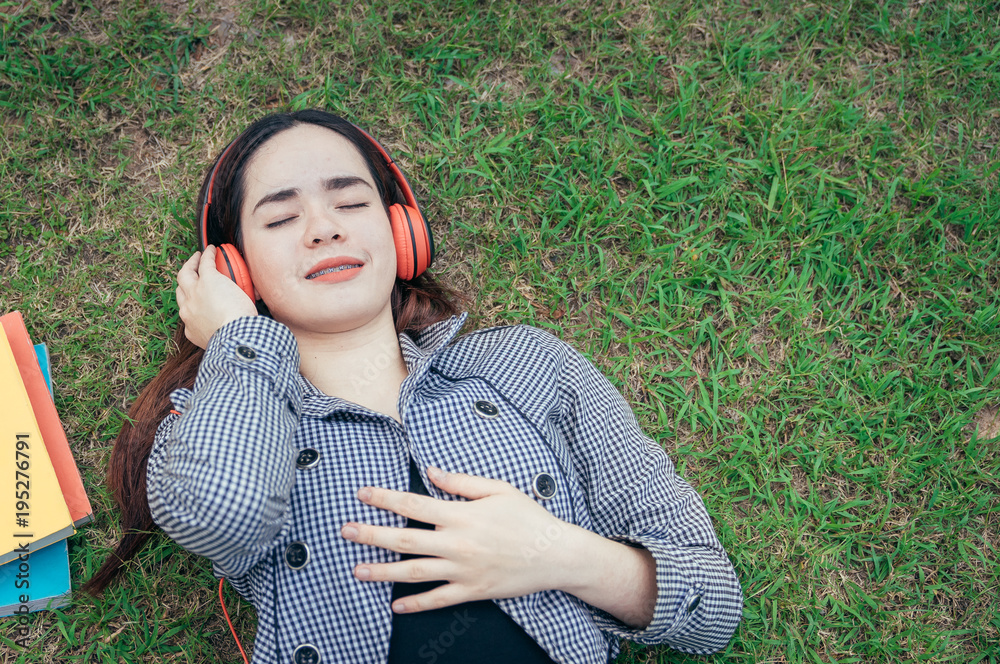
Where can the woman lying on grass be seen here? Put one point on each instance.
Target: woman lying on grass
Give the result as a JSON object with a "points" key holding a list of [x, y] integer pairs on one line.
{"points": [[381, 488]]}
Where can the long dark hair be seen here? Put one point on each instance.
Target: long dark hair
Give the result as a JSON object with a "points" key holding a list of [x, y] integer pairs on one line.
{"points": [[416, 304]]}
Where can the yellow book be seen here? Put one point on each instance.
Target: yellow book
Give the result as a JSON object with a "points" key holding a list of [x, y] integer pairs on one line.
{"points": [[33, 512]]}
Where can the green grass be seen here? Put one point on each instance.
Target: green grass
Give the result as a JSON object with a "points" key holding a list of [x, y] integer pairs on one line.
{"points": [[776, 227]]}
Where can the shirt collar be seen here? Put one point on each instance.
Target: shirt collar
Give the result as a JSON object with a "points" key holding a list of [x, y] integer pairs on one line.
{"points": [[417, 349]]}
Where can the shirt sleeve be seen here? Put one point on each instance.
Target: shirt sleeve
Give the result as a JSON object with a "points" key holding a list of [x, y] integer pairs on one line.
{"points": [[635, 496], [220, 474]]}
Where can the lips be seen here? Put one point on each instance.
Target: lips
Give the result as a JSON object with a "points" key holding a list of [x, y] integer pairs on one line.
{"points": [[333, 265]]}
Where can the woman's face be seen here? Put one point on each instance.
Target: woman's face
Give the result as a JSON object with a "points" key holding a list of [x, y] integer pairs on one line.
{"points": [[316, 236]]}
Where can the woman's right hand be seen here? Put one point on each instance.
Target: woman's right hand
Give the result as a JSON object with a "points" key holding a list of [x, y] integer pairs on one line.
{"points": [[208, 300]]}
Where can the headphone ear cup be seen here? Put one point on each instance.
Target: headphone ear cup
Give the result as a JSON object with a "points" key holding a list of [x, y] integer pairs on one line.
{"points": [[230, 263], [412, 238]]}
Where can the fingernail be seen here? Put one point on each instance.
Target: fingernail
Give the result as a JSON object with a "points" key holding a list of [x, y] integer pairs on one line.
{"points": [[436, 473], [365, 493], [349, 532], [362, 573], [399, 607]]}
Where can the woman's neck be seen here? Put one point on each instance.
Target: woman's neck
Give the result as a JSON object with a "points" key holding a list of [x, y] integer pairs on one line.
{"points": [[364, 365]]}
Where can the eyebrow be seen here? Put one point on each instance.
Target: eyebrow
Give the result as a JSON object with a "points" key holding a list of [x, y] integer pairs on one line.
{"points": [[332, 184]]}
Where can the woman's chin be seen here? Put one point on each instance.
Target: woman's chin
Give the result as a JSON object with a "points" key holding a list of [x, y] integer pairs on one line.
{"points": [[336, 320]]}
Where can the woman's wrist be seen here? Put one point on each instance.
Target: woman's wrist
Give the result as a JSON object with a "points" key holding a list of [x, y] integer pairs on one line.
{"points": [[614, 577]]}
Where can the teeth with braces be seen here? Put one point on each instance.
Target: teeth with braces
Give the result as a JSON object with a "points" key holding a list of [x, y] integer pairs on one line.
{"points": [[328, 270]]}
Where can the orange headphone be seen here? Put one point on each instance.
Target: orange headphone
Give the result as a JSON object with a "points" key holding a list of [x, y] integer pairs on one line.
{"points": [[410, 231]]}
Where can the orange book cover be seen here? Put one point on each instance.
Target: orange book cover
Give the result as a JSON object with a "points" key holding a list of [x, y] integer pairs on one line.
{"points": [[50, 427], [37, 516]]}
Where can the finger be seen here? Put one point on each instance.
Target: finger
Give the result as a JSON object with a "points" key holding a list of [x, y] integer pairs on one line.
{"points": [[447, 595], [192, 262], [400, 540], [410, 505], [472, 487], [207, 263], [188, 273], [417, 570]]}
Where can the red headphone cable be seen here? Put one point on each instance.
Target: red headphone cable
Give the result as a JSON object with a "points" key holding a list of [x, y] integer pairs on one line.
{"points": [[231, 628]]}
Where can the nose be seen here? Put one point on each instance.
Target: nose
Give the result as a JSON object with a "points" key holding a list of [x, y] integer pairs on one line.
{"points": [[323, 226], [319, 240]]}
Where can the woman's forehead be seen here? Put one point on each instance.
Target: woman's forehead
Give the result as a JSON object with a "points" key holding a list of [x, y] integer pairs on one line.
{"points": [[305, 150]]}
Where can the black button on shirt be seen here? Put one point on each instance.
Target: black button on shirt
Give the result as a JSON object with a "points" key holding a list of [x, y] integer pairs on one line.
{"points": [[307, 458], [296, 555], [247, 353], [486, 409], [544, 486], [305, 654], [470, 632]]}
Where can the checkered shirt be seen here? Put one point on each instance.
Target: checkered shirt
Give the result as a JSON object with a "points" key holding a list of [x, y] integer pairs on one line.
{"points": [[226, 480]]}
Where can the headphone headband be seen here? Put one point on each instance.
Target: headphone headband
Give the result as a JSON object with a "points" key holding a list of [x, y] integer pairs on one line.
{"points": [[397, 174], [208, 196]]}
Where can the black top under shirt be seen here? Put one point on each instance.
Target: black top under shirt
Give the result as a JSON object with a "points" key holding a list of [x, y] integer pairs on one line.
{"points": [[470, 632]]}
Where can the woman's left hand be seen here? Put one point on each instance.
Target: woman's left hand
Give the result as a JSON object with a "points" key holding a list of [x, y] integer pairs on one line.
{"points": [[499, 543]]}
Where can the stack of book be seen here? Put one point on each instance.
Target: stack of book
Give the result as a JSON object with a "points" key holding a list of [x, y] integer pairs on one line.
{"points": [[41, 492]]}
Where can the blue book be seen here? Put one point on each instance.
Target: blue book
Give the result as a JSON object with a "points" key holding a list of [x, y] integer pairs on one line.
{"points": [[42, 351], [39, 580]]}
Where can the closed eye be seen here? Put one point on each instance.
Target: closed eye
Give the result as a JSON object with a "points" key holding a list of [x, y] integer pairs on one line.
{"points": [[280, 222]]}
